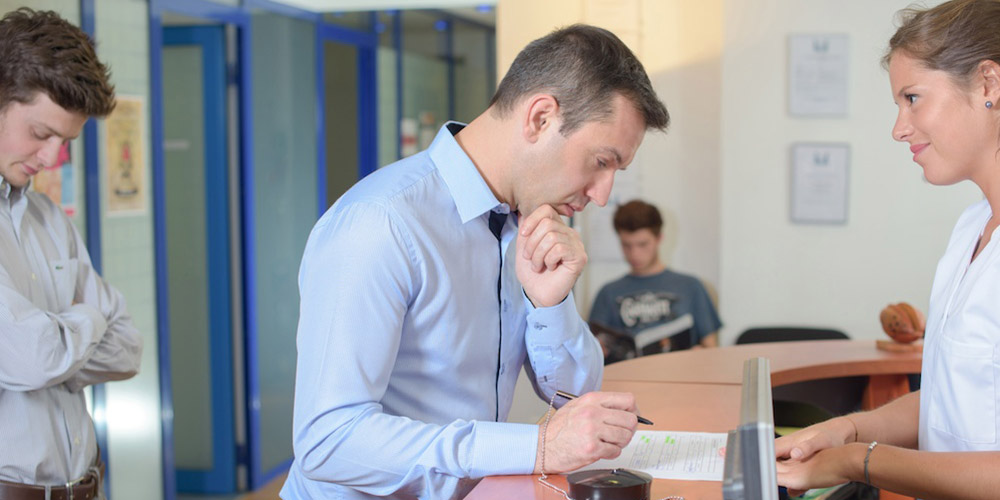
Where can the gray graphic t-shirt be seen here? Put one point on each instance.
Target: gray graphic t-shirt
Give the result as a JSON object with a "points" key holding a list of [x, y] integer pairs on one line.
{"points": [[672, 300]]}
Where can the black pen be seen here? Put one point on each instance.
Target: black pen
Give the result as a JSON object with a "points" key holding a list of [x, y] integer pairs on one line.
{"points": [[567, 396]]}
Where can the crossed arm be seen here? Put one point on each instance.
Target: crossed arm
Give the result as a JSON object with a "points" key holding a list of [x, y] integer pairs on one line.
{"points": [[91, 340]]}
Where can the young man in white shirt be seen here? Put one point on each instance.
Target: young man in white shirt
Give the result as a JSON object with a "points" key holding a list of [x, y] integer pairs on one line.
{"points": [[62, 327]]}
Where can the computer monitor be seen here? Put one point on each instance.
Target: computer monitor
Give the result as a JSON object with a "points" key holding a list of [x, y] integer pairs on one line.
{"points": [[749, 470]]}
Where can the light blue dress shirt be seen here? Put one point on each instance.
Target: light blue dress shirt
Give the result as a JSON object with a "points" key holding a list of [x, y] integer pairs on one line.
{"points": [[403, 378]]}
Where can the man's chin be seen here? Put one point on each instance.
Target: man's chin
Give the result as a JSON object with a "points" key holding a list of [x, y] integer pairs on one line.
{"points": [[17, 182], [14, 183]]}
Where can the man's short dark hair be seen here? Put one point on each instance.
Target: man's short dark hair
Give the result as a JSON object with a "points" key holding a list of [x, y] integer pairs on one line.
{"points": [[583, 67], [636, 215], [42, 52]]}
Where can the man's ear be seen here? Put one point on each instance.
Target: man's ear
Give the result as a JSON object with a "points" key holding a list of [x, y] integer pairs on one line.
{"points": [[541, 114], [990, 72]]}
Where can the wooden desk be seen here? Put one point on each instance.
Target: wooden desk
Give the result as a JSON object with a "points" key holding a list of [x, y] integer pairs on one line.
{"points": [[671, 406], [699, 390], [790, 362]]}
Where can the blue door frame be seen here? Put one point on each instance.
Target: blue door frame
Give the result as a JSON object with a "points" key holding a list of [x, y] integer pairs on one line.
{"points": [[92, 194], [366, 44], [239, 16], [221, 14], [221, 477]]}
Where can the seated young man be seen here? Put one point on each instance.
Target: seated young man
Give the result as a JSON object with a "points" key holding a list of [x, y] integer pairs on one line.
{"points": [[661, 309]]}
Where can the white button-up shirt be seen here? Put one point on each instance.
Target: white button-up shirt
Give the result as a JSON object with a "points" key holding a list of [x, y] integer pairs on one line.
{"points": [[61, 328]]}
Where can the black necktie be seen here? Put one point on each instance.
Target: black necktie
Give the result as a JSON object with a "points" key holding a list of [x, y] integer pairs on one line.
{"points": [[496, 226], [496, 223]]}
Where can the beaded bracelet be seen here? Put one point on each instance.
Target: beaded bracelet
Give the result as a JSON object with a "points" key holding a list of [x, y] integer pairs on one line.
{"points": [[868, 455]]}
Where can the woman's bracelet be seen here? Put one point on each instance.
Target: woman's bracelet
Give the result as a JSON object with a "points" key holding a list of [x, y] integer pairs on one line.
{"points": [[855, 424], [868, 455]]}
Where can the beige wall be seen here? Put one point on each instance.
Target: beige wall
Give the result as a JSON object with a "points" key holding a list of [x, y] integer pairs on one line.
{"points": [[721, 174], [133, 414]]}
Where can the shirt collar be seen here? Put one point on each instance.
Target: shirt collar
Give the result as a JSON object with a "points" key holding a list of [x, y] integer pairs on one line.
{"points": [[472, 195], [7, 190]]}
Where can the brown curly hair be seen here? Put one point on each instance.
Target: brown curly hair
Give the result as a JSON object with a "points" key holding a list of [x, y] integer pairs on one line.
{"points": [[42, 52]]}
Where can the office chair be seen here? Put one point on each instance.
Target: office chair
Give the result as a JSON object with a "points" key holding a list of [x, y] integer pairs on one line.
{"points": [[805, 403], [786, 334]]}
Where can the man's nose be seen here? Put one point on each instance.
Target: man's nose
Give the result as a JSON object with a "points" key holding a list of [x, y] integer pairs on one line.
{"points": [[600, 192], [49, 153]]}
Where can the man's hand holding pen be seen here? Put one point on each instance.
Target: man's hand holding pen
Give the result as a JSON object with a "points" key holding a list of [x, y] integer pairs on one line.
{"points": [[565, 396], [586, 429]]}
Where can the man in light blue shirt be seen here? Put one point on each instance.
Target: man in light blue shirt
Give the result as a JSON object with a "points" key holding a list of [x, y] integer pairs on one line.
{"points": [[427, 286]]}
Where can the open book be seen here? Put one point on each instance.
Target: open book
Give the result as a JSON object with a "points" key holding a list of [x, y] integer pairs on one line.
{"points": [[619, 345], [657, 333]]}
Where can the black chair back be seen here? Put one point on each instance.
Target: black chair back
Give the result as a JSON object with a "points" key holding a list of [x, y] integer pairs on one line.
{"points": [[788, 333]]}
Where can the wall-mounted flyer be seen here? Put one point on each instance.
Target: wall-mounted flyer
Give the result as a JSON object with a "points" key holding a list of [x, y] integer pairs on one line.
{"points": [[819, 183], [125, 167], [817, 75]]}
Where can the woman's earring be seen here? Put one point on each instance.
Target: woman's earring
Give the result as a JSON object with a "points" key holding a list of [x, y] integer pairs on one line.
{"points": [[989, 104]]}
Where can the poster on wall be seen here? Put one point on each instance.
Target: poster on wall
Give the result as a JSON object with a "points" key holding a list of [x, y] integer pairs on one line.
{"points": [[817, 75], [126, 165], [819, 183], [56, 182]]}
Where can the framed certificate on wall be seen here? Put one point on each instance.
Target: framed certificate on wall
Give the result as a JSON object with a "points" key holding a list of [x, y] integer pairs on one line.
{"points": [[819, 183], [817, 75]]}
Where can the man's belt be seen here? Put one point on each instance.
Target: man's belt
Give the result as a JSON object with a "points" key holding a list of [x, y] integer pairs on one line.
{"points": [[84, 488]]}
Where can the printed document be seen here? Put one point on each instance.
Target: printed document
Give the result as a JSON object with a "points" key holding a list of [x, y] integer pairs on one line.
{"points": [[692, 456]]}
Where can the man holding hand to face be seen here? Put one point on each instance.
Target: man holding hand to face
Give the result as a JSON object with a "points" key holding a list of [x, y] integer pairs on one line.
{"points": [[430, 284]]}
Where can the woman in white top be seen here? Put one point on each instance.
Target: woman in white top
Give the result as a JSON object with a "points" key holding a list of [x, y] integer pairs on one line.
{"points": [[944, 440]]}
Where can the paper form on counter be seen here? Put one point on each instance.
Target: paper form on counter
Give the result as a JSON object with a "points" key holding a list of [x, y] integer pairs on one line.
{"points": [[693, 456]]}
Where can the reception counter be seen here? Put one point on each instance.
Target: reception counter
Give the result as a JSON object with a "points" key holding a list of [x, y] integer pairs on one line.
{"points": [[699, 391]]}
